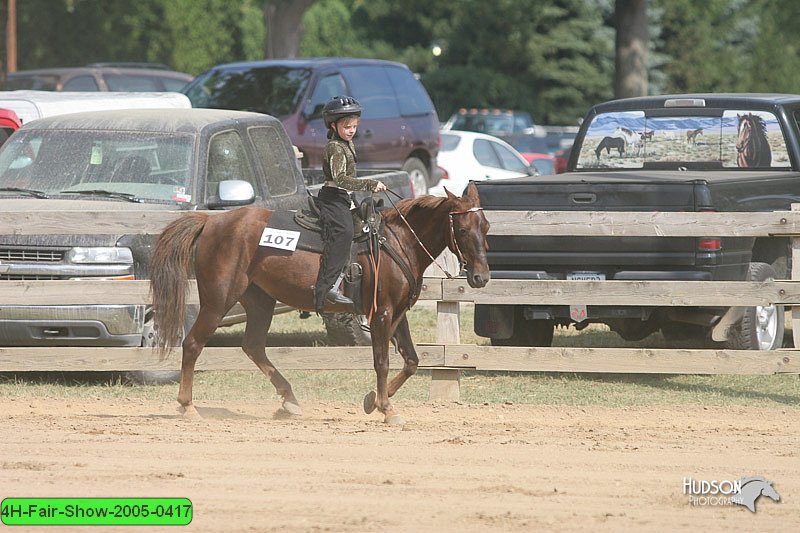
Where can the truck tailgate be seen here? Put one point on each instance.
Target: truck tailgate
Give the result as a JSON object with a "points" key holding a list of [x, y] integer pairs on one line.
{"points": [[616, 257]]}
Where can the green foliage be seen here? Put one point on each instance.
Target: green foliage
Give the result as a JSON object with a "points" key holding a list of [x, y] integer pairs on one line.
{"points": [[188, 35], [704, 42], [552, 58]]}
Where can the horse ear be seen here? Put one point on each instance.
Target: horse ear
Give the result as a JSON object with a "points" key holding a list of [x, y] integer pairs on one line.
{"points": [[450, 196], [471, 194]]}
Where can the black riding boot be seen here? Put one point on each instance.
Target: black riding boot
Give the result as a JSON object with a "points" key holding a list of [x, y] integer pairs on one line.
{"points": [[337, 235]]}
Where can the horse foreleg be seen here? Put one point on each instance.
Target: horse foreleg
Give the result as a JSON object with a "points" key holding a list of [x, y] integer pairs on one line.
{"points": [[381, 335], [194, 342], [405, 345], [260, 308]]}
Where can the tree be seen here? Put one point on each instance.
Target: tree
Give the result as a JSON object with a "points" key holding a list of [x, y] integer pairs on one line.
{"points": [[284, 22], [552, 59], [631, 48], [705, 44]]}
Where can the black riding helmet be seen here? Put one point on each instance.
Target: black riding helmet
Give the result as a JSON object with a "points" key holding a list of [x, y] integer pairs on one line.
{"points": [[340, 107]]}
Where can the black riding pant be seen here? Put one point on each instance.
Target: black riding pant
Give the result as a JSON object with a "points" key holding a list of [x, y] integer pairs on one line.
{"points": [[337, 235]]}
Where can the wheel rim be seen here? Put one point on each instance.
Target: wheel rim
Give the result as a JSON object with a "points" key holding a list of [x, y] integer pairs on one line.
{"points": [[419, 182], [767, 326]]}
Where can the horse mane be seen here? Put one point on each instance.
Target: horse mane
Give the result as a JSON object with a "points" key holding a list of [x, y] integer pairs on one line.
{"points": [[761, 123], [410, 206]]}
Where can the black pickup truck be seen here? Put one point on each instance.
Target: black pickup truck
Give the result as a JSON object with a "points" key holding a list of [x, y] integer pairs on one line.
{"points": [[679, 153]]}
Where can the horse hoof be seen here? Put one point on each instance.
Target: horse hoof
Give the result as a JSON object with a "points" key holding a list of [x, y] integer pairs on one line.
{"points": [[190, 412], [369, 401], [394, 420], [292, 409]]}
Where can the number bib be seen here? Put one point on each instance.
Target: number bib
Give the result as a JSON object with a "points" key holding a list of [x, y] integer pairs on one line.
{"points": [[280, 238]]}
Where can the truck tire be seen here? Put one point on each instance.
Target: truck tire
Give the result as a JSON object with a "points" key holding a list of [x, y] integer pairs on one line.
{"points": [[418, 173], [528, 332], [344, 329], [761, 327]]}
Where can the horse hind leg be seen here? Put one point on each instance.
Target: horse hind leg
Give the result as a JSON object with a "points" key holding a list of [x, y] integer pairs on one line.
{"points": [[204, 327], [260, 308]]}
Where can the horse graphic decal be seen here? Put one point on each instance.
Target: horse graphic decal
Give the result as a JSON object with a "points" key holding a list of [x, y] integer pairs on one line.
{"points": [[752, 488], [691, 136], [608, 143], [752, 143], [632, 139]]}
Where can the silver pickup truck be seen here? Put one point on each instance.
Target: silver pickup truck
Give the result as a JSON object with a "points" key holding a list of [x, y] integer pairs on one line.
{"points": [[147, 159]]}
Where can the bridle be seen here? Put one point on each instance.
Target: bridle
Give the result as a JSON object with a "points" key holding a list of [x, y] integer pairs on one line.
{"points": [[459, 255], [462, 263]]}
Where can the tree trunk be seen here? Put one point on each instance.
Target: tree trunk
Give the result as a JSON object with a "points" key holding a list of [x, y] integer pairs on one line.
{"points": [[631, 48], [284, 23]]}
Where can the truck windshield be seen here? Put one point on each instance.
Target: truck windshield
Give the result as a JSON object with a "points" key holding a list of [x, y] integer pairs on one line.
{"points": [[732, 139], [147, 166], [273, 91]]}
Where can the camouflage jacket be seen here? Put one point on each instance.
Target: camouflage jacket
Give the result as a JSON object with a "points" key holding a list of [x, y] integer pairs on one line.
{"points": [[339, 166]]}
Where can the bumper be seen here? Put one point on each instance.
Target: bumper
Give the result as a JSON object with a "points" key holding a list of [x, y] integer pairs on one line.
{"points": [[72, 325]]}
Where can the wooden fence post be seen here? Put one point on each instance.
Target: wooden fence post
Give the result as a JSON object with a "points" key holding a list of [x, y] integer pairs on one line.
{"points": [[445, 382]]}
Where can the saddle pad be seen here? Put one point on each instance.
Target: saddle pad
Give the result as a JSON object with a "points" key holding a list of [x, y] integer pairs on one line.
{"points": [[310, 241]]}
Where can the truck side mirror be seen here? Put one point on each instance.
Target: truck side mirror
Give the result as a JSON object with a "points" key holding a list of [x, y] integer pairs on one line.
{"points": [[233, 193]]}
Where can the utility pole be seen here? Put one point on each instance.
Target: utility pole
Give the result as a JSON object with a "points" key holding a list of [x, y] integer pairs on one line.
{"points": [[11, 37]]}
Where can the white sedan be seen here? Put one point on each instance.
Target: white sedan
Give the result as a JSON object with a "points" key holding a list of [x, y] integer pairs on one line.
{"points": [[468, 156]]}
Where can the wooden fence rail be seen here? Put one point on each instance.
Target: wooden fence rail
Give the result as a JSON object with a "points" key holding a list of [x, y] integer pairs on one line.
{"points": [[447, 357]]}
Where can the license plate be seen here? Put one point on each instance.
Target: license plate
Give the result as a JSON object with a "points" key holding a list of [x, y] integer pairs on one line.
{"points": [[586, 276]]}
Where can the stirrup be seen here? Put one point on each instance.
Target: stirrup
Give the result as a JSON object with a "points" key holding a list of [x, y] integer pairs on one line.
{"points": [[336, 297]]}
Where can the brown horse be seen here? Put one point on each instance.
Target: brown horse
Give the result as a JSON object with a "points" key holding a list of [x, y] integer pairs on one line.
{"points": [[230, 266], [752, 143], [691, 135]]}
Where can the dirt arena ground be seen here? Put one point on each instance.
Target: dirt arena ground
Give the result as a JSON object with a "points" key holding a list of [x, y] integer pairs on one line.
{"points": [[452, 467]]}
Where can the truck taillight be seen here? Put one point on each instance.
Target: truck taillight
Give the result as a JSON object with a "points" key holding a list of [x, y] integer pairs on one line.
{"points": [[709, 244]]}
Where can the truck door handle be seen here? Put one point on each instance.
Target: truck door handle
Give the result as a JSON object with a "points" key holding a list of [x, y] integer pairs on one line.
{"points": [[583, 198]]}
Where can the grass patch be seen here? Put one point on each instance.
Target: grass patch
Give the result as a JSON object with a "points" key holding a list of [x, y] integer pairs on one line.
{"points": [[568, 389], [609, 390]]}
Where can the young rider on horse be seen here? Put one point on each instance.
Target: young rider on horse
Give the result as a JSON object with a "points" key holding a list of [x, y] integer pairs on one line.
{"points": [[341, 115]]}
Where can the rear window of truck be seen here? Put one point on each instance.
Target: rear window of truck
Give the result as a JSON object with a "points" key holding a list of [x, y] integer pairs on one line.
{"points": [[734, 138]]}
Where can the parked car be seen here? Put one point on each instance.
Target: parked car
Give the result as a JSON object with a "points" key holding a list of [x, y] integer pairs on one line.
{"points": [[544, 164], [399, 126], [9, 123], [498, 122], [468, 156], [131, 77], [30, 105]]}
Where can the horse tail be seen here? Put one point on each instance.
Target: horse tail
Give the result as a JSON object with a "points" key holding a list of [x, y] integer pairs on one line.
{"points": [[170, 268]]}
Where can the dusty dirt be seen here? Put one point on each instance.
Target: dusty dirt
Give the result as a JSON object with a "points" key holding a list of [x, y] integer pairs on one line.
{"points": [[450, 468]]}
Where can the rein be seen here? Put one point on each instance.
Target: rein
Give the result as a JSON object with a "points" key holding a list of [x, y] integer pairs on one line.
{"points": [[461, 261]]}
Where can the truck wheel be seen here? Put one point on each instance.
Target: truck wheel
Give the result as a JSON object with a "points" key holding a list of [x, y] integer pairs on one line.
{"points": [[160, 377], [418, 173], [761, 327], [528, 332], [344, 329]]}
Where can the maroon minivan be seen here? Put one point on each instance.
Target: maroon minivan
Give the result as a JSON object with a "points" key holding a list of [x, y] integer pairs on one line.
{"points": [[399, 126]]}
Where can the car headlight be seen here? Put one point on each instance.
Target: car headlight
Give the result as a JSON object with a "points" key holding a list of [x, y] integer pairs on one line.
{"points": [[105, 255]]}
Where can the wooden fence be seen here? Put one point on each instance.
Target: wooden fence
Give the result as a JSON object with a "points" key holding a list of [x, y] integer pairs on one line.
{"points": [[447, 357]]}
